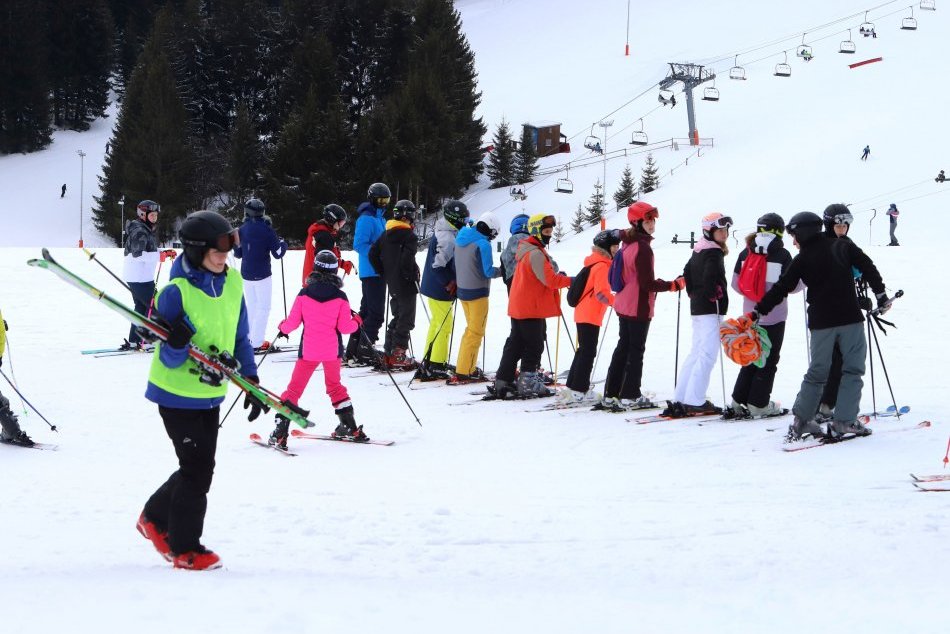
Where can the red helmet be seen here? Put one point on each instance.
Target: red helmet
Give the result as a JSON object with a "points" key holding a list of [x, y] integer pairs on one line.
{"points": [[641, 211]]}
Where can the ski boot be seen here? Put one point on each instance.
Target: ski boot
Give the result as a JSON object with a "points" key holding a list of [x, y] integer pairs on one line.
{"points": [[501, 389], [735, 411], [398, 360], [159, 538], [771, 409], [10, 431], [429, 371], [531, 385], [838, 428], [641, 402], [801, 429], [278, 437], [347, 429], [701, 410], [198, 559], [674, 409]]}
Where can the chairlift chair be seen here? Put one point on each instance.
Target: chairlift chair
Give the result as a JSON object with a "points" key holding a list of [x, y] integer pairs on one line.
{"points": [[665, 96], [782, 69], [564, 186], [639, 137], [928, 5], [909, 24], [711, 93], [517, 193], [737, 72], [804, 50], [867, 28], [847, 46], [592, 143]]}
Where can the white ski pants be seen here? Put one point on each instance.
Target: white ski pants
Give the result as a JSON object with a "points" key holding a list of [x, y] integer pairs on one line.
{"points": [[257, 296], [697, 369]]}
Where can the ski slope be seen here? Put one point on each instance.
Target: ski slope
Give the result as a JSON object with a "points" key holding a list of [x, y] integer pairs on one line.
{"points": [[487, 517]]}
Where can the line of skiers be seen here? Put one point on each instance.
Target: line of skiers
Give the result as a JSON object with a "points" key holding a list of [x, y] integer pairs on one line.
{"points": [[205, 303]]}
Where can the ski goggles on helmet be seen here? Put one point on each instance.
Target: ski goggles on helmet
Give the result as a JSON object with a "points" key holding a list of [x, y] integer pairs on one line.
{"points": [[225, 242], [722, 222], [548, 222], [843, 219]]}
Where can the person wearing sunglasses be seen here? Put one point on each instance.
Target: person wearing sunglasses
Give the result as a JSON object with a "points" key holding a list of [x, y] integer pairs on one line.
{"points": [[141, 260], [202, 304], [370, 226], [705, 275]]}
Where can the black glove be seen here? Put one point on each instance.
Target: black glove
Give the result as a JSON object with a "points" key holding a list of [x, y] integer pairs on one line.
{"points": [[864, 303], [180, 333], [882, 299], [754, 316], [282, 335], [251, 402], [6, 326]]}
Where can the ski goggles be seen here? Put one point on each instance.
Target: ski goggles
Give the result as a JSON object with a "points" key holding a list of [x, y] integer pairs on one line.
{"points": [[723, 222], [843, 219], [225, 242], [548, 222]]}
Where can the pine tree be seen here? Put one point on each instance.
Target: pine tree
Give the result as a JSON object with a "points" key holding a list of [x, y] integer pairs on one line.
{"points": [[24, 88], [558, 230], [649, 177], [150, 152], [133, 20], [501, 158], [580, 219], [80, 63], [627, 191], [244, 159], [526, 158], [595, 206]]}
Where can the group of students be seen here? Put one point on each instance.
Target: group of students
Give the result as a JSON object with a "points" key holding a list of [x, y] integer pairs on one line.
{"points": [[205, 303]]}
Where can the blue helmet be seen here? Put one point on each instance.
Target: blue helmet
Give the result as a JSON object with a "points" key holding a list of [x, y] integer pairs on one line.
{"points": [[519, 224]]}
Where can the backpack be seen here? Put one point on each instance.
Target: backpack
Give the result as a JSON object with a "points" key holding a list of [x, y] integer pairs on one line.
{"points": [[578, 287], [615, 273], [752, 276]]}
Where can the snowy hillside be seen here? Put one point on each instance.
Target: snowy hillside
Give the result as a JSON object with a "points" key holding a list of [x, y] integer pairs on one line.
{"points": [[488, 518]]}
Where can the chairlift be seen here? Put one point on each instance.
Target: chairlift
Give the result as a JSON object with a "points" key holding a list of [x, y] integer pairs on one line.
{"points": [[665, 97], [639, 137], [592, 143], [737, 72], [928, 5], [565, 185], [711, 93], [517, 193], [804, 50], [909, 24], [867, 28], [847, 46], [783, 69]]}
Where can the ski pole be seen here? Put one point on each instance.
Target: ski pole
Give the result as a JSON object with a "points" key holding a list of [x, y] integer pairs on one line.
{"points": [[385, 366], [92, 256], [424, 309], [557, 343], [807, 332], [602, 339], [722, 365], [24, 399], [158, 273], [676, 359], [431, 344], [283, 285], [567, 331]]}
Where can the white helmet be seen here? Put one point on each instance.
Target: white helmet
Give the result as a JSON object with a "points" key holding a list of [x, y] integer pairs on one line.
{"points": [[491, 223]]}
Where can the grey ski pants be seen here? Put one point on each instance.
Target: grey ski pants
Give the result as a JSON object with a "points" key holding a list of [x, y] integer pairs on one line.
{"points": [[853, 345]]}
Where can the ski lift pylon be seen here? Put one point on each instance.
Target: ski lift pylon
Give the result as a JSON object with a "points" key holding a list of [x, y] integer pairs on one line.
{"points": [[928, 5], [909, 24], [737, 72], [639, 137], [782, 69], [847, 46]]}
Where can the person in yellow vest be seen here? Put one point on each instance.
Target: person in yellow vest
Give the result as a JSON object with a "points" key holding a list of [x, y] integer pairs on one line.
{"points": [[10, 432], [203, 304]]}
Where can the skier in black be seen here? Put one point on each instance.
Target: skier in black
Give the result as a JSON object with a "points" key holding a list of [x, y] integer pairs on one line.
{"points": [[10, 431], [394, 257], [203, 304], [63, 193], [834, 318]]}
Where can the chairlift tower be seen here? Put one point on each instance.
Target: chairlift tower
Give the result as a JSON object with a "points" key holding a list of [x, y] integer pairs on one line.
{"points": [[692, 75], [605, 125]]}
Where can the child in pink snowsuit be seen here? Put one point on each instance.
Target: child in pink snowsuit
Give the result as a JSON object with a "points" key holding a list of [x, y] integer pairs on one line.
{"points": [[326, 315]]}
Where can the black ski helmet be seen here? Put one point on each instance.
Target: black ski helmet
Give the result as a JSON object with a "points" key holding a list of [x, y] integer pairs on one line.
{"points": [[254, 208], [326, 261], [804, 225], [333, 214], [771, 222], [378, 195], [836, 214], [455, 213], [204, 230], [144, 208], [606, 239], [404, 210]]}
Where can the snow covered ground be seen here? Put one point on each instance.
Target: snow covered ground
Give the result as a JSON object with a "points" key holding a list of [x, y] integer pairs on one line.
{"points": [[488, 518]]}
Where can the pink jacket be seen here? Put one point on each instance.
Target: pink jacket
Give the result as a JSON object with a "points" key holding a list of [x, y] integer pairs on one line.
{"points": [[326, 316]]}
